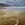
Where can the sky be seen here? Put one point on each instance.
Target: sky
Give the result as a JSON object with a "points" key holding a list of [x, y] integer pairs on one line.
{"points": [[13, 2]]}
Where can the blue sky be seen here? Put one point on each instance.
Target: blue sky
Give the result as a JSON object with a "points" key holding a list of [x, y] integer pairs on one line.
{"points": [[13, 2]]}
